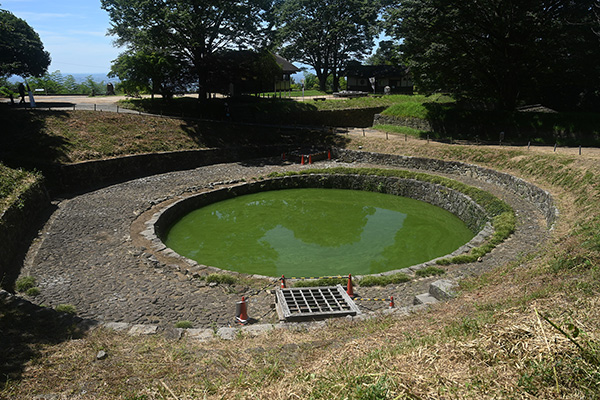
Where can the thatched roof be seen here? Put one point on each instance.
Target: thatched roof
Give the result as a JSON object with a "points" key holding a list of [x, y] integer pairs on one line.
{"points": [[286, 66]]}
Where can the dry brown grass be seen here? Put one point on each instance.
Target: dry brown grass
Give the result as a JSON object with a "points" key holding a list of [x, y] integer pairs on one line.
{"points": [[488, 343]]}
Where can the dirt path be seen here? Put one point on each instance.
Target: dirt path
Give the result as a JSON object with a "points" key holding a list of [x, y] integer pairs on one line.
{"points": [[592, 153]]}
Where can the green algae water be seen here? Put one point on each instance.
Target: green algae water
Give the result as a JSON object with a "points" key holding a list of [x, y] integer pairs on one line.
{"points": [[317, 232]]}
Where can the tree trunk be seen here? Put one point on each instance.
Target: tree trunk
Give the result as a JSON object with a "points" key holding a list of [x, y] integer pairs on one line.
{"points": [[336, 81], [199, 61], [322, 81], [202, 92]]}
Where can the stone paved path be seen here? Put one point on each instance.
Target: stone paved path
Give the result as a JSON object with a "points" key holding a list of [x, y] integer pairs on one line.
{"points": [[85, 255]]}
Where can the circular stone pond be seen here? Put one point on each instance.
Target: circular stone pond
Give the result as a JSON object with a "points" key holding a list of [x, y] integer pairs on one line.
{"points": [[321, 225], [316, 232]]}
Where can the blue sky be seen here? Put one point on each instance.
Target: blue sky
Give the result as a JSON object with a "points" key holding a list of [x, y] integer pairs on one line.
{"points": [[74, 32]]}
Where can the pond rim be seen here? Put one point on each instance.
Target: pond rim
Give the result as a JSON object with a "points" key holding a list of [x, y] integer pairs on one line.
{"points": [[459, 204]]}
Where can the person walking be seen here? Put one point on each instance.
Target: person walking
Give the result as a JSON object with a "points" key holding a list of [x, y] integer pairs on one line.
{"points": [[22, 93]]}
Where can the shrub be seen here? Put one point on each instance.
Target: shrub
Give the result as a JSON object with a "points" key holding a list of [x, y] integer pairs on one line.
{"points": [[34, 291], [430, 271], [221, 278], [183, 324], [25, 283], [322, 282], [66, 308]]}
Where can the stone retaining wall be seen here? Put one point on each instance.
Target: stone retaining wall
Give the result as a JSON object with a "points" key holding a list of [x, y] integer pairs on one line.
{"points": [[415, 123], [541, 198], [16, 225], [91, 174], [356, 118]]}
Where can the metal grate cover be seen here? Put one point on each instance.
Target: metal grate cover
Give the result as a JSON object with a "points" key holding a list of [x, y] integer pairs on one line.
{"points": [[296, 304]]}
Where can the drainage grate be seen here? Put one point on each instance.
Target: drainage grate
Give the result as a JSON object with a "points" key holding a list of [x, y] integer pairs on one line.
{"points": [[296, 304]]}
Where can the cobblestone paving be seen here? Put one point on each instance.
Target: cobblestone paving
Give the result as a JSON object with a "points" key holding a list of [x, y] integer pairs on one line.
{"points": [[85, 255]]}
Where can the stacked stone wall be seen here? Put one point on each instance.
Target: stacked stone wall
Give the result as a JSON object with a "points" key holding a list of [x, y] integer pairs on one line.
{"points": [[450, 200], [541, 198], [415, 123]]}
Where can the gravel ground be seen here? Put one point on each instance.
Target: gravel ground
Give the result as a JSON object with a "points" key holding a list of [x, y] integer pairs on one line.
{"points": [[89, 255]]}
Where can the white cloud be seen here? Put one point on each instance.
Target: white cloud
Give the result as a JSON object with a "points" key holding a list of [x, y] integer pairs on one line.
{"points": [[87, 33], [33, 16]]}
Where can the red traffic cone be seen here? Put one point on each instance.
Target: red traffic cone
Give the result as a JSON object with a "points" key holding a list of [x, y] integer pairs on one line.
{"points": [[282, 282], [241, 312], [350, 289], [283, 156], [392, 305], [329, 154], [302, 162], [310, 158]]}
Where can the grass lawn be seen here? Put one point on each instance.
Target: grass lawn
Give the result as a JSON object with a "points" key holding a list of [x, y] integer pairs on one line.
{"points": [[74, 136], [296, 93], [215, 108]]}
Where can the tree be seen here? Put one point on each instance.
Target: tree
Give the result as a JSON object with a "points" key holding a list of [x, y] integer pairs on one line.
{"points": [[50, 82], [150, 71], [507, 51], [326, 34], [310, 81], [248, 71], [388, 53], [190, 30], [21, 50]]}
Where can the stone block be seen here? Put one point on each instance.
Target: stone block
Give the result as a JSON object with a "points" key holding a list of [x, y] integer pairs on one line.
{"points": [[173, 333], [256, 330], [201, 335], [227, 333], [117, 326], [443, 289], [424, 298], [137, 330]]}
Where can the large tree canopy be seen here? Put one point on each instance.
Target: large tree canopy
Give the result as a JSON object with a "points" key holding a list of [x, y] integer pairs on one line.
{"points": [[502, 50], [243, 72], [154, 72], [190, 30], [326, 34], [388, 53], [21, 50]]}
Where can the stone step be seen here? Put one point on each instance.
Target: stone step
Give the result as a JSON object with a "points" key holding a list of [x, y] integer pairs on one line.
{"points": [[424, 298], [443, 289]]}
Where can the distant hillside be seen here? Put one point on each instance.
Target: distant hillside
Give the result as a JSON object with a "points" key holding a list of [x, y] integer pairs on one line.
{"points": [[79, 77]]}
